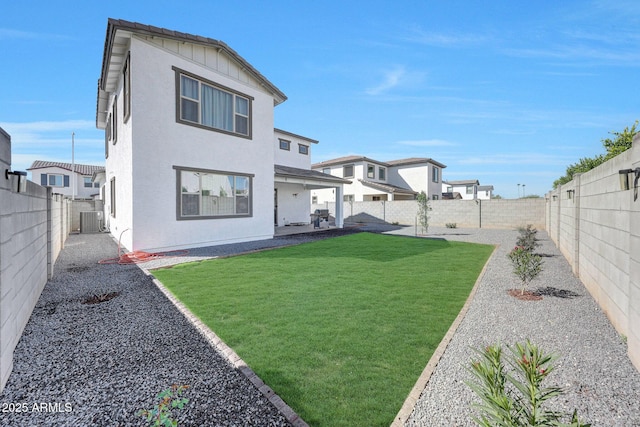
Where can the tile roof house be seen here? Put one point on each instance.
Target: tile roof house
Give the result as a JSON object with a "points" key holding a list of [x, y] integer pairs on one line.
{"points": [[469, 189], [60, 176], [374, 180], [192, 155]]}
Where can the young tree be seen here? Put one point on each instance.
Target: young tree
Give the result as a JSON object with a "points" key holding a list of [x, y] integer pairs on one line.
{"points": [[423, 211]]}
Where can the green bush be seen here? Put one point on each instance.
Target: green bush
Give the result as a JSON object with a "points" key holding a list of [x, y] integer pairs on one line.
{"points": [[162, 413], [517, 398]]}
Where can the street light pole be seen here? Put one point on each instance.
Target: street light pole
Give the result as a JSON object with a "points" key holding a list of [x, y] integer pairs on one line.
{"points": [[73, 167], [523, 190], [518, 191]]}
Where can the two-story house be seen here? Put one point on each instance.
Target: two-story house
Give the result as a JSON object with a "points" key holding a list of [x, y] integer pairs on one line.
{"points": [[190, 145], [373, 180], [72, 180], [469, 189]]}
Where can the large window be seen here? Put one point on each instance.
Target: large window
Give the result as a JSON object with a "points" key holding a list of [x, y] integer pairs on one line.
{"points": [[54, 180], [213, 194], [436, 174], [206, 104]]}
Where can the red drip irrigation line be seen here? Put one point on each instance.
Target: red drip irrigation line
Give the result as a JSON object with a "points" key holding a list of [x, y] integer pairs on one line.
{"points": [[137, 257]]}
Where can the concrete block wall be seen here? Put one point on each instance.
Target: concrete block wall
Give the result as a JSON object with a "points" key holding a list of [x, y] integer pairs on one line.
{"points": [[464, 213], [26, 255], [598, 231]]}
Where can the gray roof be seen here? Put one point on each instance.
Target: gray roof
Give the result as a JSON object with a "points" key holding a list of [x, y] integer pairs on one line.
{"points": [[289, 171], [115, 51], [390, 163], [485, 187], [87, 170], [388, 188], [463, 182]]}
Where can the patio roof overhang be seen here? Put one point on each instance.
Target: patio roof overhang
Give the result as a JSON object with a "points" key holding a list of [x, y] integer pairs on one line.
{"points": [[308, 178], [387, 188]]}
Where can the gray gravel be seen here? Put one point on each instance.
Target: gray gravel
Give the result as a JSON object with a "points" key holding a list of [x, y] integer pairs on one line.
{"points": [[106, 361], [593, 367], [109, 360]]}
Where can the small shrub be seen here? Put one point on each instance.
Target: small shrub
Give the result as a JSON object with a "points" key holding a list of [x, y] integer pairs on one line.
{"points": [[451, 225], [514, 399], [526, 265], [162, 413], [423, 211], [527, 238]]}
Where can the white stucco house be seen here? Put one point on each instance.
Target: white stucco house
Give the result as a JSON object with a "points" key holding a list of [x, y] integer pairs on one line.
{"points": [[469, 189], [373, 180], [87, 179], [192, 156]]}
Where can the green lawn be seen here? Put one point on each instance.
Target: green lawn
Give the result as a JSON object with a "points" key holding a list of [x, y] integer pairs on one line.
{"points": [[340, 328]]}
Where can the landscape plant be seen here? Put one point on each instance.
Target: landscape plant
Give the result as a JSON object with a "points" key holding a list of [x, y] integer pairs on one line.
{"points": [[423, 211], [527, 238], [526, 265], [516, 397], [162, 414]]}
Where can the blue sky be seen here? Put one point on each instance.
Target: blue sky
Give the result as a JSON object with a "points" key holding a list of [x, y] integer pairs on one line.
{"points": [[506, 92]]}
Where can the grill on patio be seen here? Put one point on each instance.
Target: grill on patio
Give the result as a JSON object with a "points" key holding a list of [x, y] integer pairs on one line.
{"points": [[319, 215]]}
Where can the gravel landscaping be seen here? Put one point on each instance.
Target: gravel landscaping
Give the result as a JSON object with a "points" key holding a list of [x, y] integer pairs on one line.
{"points": [[103, 341]]}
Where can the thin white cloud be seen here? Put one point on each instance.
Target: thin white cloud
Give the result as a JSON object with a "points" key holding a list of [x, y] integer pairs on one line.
{"points": [[11, 34], [427, 143], [457, 39], [391, 79]]}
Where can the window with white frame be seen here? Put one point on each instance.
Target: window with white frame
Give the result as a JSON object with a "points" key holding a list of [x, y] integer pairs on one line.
{"points": [[435, 174], [57, 180], [469, 189], [206, 104], [303, 149], [348, 198], [347, 171], [371, 171], [449, 189], [213, 194], [285, 145], [382, 174], [326, 171], [87, 182]]}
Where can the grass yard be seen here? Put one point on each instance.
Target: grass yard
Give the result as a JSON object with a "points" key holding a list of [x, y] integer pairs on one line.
{"points": [[340, 328]]}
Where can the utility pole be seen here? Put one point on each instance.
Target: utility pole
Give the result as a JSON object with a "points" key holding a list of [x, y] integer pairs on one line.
{"points": [[73, 167]]}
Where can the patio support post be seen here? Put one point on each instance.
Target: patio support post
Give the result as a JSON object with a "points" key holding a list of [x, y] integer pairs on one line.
{"points": [[339, 208]]}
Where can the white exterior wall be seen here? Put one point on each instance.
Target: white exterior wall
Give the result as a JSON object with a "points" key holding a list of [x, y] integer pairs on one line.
{"points": [[293, 204], [418, 178], [146, 186], [292, 157], [462, 189]]}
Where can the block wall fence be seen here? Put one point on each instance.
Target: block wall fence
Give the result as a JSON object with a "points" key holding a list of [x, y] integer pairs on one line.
{"points": [[33, 228], [596, 226]]}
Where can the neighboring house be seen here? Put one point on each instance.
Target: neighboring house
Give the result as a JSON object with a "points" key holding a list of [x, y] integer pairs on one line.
{"points": [[466, 190], [60, 176], [192, 157], [373, 180]]}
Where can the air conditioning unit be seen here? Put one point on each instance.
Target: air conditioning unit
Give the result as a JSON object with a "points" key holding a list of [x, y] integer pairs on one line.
{"points": [[90, 222]]}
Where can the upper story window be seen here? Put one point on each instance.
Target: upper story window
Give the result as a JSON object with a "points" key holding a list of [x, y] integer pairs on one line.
{"points": [[54, 180], [371, 171], [435, 174], [450, 189], [206, 104], [326, 171], [470, 189], [347, 171], [87, 182], [303, 149], [382, 174], [285, 145]]}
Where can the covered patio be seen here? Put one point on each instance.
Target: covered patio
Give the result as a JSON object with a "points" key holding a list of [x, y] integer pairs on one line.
{"points": [[292, 198]]}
